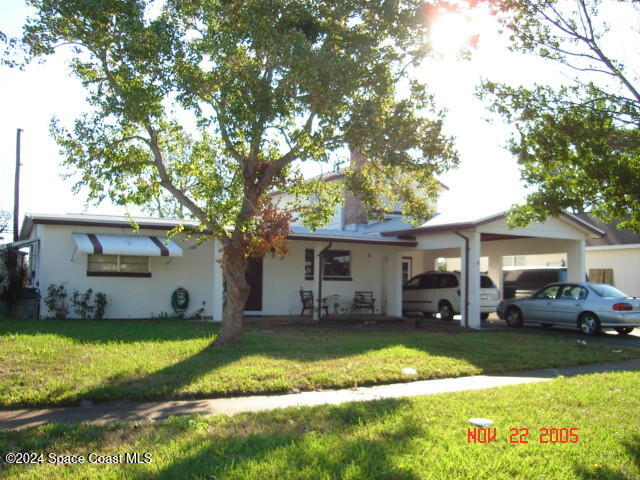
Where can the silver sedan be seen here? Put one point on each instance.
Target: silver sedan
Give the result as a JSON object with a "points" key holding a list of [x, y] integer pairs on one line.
{"points": [[588, 306]]}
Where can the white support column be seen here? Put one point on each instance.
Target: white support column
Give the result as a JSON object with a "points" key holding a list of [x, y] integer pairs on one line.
{"points": [[317, 269], [218, 283], [495, 272], [473, 277], [393, 283], [576, 261]]}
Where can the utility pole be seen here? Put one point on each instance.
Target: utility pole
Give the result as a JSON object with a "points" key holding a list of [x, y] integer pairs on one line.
{"points": [[16, 189]]}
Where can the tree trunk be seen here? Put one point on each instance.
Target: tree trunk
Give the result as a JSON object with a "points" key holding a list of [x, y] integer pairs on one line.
{"points": [[234, 267]]}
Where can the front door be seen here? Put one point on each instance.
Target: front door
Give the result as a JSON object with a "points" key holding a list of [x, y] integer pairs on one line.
{"points": [[254, 277]]}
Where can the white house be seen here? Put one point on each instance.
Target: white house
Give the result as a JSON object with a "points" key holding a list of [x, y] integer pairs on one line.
{"points": [[139, 270]]}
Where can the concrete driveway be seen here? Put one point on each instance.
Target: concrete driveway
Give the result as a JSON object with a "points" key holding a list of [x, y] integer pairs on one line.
{"points": [[609, 337]]}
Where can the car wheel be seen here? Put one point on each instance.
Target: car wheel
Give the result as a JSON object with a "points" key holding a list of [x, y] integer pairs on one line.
{"points": [[445, 311], [589, 324], [624, 330], [514, 317], [484, 316]]}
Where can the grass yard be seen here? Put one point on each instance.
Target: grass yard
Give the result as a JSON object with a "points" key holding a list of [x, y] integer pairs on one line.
{"points": [[63, 362], [417, 438]]}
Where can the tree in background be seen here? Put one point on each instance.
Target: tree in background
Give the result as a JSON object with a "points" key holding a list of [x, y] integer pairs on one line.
{"points": [[579, 144], [5, 221], [256, 89]]}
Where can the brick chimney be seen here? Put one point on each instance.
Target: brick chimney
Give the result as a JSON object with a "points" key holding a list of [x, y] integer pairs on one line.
{"points": [[354, 213]]}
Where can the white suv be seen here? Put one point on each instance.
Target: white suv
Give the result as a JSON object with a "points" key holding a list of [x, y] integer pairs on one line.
{"points": [[439, 292]]}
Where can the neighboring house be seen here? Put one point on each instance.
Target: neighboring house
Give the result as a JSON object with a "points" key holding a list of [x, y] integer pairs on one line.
{"points": [[140, 270]]}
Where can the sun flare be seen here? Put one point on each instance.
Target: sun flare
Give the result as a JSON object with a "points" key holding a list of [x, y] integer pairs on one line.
{"points": [[451, 33]]}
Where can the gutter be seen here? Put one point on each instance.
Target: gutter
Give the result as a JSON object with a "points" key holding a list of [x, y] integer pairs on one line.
{"points": [[465, 318]]}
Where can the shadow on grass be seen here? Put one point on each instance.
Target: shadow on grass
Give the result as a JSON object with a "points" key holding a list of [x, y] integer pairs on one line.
{"points": [[349, 441], [611, 472], [462, 354]]}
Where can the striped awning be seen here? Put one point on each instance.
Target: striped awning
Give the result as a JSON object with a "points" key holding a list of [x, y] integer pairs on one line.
{"points": [[149, 246]]}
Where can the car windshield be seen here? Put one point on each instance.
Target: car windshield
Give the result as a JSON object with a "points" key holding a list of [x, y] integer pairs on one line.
{"points": [[604, 290], [486, 282]]}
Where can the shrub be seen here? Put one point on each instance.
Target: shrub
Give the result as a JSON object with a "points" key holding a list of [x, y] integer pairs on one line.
{"points": [[82, 303], [56, 300], [100, 305]]}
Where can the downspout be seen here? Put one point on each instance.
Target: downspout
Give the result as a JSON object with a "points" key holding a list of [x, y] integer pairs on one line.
{"points": [[465, 318], [321, 270]]}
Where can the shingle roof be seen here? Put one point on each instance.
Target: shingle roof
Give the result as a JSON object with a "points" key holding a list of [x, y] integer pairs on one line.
{"points": [[612, 236]]}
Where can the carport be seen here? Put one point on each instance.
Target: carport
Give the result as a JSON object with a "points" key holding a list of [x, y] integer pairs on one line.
{"points": [[490, 236]]}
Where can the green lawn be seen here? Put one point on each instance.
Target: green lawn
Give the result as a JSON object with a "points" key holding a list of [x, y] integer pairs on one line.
{"points": [[417, 438], [63, 362]]}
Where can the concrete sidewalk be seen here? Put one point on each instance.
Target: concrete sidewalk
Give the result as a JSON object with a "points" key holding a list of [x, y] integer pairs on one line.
{"points": [[128, 411]]}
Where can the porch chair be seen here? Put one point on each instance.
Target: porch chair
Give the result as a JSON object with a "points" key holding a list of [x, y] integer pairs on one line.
{"points": [[306, 297], [364, 300]]}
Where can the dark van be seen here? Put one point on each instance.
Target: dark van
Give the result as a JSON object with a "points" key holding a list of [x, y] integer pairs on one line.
{"points": [[525, 281]]}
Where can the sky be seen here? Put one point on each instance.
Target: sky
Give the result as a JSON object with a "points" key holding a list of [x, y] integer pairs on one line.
{"points": [[487, 180]]}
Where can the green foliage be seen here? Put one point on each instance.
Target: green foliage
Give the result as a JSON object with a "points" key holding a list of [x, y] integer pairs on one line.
{"points": [[82, 303], [56, 300], [268, 83], [578, 145], [100, 305], [13, 277]]}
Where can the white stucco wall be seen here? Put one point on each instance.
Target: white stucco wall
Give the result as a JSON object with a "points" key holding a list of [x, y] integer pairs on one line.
{"points": [[127, 297], [625, 263], [282, 278]]}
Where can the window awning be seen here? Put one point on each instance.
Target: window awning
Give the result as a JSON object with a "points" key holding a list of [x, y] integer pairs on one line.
{"points": [[149, 246]]}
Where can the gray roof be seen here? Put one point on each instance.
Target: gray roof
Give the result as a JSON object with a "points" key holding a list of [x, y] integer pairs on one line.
{"points": [[612, 235], [367, 234]]}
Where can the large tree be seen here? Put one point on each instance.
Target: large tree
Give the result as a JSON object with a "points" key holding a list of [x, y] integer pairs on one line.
{"points": [[579, 145], [236, 95]]}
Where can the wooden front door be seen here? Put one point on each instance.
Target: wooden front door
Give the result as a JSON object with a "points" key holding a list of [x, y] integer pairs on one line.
{"points": [[254, 277]]}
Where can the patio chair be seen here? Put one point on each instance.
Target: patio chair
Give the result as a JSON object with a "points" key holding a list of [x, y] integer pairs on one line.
{"points": [[306, 297], [364, 300]]}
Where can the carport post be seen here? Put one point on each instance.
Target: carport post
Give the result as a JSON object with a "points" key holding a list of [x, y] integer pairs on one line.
{"points": [[576, 261], [393, 282], [495, 272], [470, 291]]}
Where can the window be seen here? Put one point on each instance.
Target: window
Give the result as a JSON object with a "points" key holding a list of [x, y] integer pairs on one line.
{"points": [[548, 293], [309, 263], [406, 268], [117, 266], [337, 265], [607, 291], [414, 283], [447, 281], [486, 282]]}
